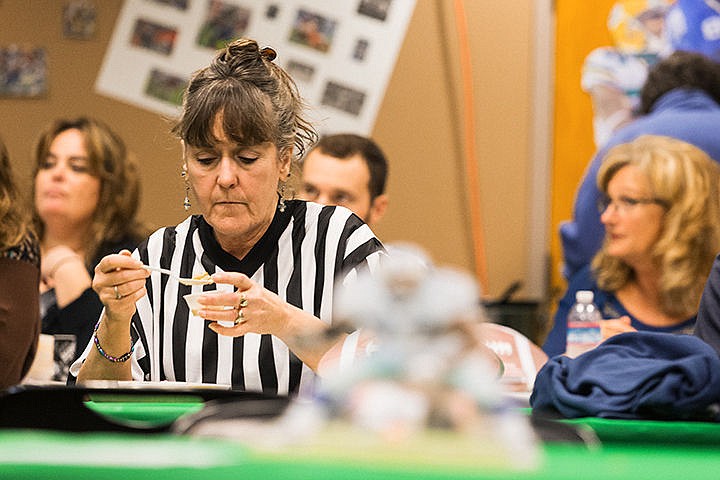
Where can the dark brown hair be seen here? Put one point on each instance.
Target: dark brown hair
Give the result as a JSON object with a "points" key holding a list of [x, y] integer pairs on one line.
{"points": [[259, 102], [346, 145], [688, 70]]}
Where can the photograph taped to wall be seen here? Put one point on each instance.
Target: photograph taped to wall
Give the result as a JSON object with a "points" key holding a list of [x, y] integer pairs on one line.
{"points": [[377, 9], [343, 98], [341, 78], [313, 30], [361, 48], [79, 19], [272, 12], [300, 72], [153, 36], [223, 23], [23, 71], [166, 87], [179, 4]]}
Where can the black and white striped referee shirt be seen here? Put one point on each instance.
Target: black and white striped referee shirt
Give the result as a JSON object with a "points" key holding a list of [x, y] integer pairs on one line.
{"points": [[305, 251]]}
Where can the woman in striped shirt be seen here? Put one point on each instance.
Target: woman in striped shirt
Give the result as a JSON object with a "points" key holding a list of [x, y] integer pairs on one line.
{"points": [[274, 263]]}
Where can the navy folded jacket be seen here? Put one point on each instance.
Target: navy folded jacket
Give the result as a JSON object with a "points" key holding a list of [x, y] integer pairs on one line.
{"points": [[641, 375]]}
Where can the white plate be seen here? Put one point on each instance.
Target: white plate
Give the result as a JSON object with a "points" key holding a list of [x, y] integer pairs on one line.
{"points": [[165, 385]]}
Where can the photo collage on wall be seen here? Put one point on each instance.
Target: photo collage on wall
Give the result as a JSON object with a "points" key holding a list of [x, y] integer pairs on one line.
{"points": [[340, 54]]}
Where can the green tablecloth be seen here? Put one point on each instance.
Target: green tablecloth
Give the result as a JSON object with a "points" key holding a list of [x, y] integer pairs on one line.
{"points": [[631, 450], [29, 454], [647, 432], [151, 412]]}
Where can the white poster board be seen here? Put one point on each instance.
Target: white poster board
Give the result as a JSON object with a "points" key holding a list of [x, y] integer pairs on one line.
{"points": [[340, 53]]}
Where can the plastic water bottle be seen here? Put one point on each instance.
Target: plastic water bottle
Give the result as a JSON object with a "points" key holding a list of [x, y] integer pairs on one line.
{"points": [[583, 325]]}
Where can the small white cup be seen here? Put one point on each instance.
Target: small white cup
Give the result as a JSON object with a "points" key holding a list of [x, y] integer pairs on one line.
{"points": [[195, 306]]}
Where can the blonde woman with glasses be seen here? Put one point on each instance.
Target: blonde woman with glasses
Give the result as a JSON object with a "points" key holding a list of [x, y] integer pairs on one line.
{"points": [[660, 207]]}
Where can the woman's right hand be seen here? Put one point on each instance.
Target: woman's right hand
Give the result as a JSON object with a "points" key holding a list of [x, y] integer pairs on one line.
{"points": [[120, 282], [614, 326], [64, 270]]}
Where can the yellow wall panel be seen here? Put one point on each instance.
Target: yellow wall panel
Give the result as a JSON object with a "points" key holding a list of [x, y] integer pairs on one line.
{"points": [[581, 27]]}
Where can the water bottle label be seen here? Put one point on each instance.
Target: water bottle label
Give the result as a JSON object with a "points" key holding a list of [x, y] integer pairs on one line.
{"points": [[582, 325], [582, 336]]}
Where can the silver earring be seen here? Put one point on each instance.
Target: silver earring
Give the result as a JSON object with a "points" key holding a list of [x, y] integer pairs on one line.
{"points": [[186, 201], [281, 204]]}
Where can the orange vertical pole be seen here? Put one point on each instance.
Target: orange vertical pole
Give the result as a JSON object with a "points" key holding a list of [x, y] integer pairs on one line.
{"points": [[470, 151]]}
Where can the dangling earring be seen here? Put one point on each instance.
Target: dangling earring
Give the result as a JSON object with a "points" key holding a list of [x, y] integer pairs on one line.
{"points": [[186, 201], [281, 204]]}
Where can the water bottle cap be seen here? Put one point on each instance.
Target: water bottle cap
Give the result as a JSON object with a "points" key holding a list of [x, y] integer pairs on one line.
{"points": [[584, 296]]}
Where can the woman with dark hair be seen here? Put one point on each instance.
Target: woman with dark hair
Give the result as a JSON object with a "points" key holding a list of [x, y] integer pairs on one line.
{"points": [[86, 191], [270, 263], [19, 277]]}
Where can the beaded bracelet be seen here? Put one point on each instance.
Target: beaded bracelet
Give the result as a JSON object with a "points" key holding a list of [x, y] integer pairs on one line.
{"points": [[122, 358]]}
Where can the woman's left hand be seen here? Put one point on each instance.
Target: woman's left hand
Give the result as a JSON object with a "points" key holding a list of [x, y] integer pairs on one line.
{"points": [[615, 326], [254, 308]]}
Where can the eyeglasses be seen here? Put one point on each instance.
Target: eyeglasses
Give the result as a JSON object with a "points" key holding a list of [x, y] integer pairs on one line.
{"points": [[624, 203]]}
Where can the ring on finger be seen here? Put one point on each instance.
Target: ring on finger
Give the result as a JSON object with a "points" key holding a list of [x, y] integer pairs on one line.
{"points": [[243, 300], [118, 296], [240, 317]]}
